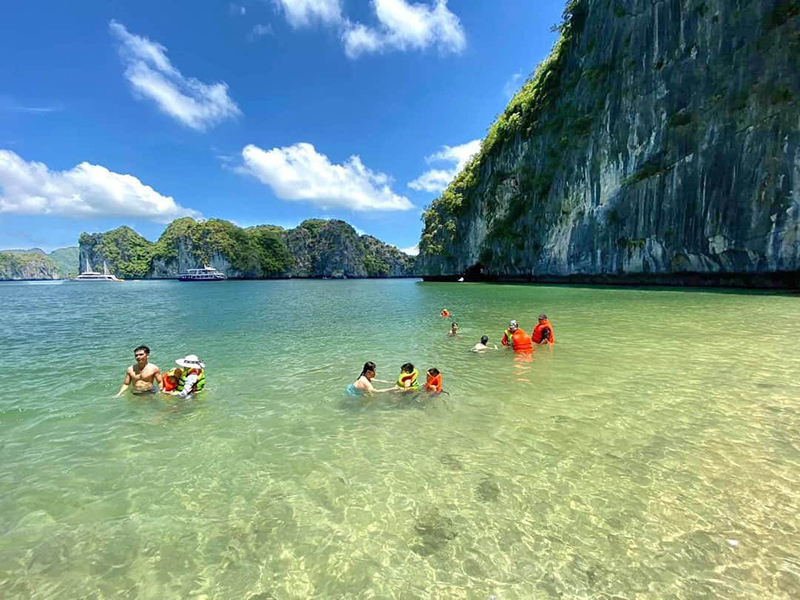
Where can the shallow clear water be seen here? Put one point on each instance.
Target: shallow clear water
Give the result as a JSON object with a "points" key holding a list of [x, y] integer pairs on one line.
{"points": [[653, 452]]}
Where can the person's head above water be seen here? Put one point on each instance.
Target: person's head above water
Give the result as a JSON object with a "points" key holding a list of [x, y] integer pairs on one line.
{"points": [[407, 368], [369, 367], [433, 372], [454, 326], [484, 339], [543, 317], [141, 353], [512, 325]]}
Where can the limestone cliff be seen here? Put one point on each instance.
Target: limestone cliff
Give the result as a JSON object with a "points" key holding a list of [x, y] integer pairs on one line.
{"points": [[21, 265], [316, 248], [658, 143]]}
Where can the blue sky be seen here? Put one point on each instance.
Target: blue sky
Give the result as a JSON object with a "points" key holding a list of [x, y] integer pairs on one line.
{"points": [[262, 111]]}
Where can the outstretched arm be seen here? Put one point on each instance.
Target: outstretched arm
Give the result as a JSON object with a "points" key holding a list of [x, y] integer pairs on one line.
{"points": [[124, 385], [188, 387]]}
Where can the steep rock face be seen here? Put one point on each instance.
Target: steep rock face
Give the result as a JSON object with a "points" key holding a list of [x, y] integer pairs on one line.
{"points": [[314, 249], [27, 266], [660, 142]]}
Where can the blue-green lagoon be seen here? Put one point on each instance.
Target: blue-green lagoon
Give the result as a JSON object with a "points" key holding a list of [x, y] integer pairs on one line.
{"points": [[653, 452]]}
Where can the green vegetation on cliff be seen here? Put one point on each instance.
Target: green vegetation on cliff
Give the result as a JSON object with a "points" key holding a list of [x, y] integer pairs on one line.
{"points": [[316, 248], [126, 250], [625, 152], [526, 114], [67, 261], [34, 265]]}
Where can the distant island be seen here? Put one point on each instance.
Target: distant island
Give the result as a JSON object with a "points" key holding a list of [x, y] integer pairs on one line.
{"points": [[35, 263], [315, 249]]}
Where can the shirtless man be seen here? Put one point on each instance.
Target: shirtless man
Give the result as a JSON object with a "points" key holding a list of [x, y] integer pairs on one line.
{"points": [[143, 375]]}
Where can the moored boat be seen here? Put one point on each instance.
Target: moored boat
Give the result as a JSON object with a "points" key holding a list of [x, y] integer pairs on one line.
{"points": [[89, 275], [205, 274]]}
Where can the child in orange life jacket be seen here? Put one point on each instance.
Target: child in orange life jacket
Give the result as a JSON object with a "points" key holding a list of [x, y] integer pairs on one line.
{"points": [[434, 381], [171, 379]]}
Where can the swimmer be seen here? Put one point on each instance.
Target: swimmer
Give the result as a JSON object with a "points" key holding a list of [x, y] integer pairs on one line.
{"points": [[453, 329], [407, 381], [364, 381], [145, 377], [483, 345], [434, 381]]}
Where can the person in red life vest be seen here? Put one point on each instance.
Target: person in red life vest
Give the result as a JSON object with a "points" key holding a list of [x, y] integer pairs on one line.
{"points": [[516, 338], [445, 313], [543, 332], [434, 381]]}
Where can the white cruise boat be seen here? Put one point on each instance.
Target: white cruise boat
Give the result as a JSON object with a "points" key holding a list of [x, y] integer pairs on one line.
{"points": [[205, 274], [89, 275]]}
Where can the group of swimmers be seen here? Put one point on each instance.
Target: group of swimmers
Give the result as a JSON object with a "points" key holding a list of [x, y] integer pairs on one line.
{"points": [[407, 381], [514, 337], [189, 377]]}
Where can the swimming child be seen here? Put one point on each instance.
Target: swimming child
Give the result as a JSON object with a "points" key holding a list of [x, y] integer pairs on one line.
{"points": [[434, 382], [408, 378], [171, 379], [453, 329], [483, 345]]}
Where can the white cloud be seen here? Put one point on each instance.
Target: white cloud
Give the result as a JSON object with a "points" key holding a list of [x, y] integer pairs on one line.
{"points": [[152, 75], [237, 10], [86, 190], [412, 251], [436, 180], [302, 13], [512, 85], [405, 26], [299, 172], [401, 25], [258, 31]]}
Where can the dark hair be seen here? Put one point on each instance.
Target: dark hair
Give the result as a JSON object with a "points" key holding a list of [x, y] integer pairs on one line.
{"points": [[546, 333], [368, 366], [145, 348], [434, 371], [484, 339], [454, 323], [407, 368]]}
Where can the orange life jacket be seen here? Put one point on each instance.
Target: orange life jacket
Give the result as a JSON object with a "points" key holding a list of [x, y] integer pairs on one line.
{"points": [[170, 380], [445, 313], [434, 384], [537, 333], [521, 341]]}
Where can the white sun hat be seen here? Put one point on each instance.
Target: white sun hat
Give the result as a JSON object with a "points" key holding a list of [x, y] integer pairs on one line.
{"points": [[191, 362]]}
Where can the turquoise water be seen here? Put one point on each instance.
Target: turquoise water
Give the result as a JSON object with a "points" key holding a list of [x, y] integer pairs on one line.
{"points": [[653, 452]]}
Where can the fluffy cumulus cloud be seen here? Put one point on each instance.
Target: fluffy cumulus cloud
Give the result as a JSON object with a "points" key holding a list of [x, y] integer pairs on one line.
{"points": [[87, 190], [302, 13], [401, 25], [411, 251], [406, 26], [435, 180], [301, 173], [194, 103]]}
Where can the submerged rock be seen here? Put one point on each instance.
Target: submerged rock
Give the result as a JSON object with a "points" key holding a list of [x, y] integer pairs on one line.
{"points": [[434, 530]]}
